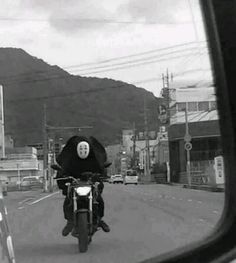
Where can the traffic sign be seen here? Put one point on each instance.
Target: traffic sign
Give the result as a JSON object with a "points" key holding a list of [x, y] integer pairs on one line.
{"points": [[188, 146], [187, 137]]}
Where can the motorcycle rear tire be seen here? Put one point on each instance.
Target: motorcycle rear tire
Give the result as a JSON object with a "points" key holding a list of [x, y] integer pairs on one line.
{"points": [[83, 239]]}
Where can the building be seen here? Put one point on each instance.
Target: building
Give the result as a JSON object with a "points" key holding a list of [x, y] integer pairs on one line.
{"points": [[20, 162], [195, 108], [162, 147], [114, 156], [136, 148]]}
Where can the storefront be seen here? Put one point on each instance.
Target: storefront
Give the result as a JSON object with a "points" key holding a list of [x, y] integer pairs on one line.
{"points": [[206, 145]]}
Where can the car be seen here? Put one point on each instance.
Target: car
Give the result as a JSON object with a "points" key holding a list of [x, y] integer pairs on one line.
{"points": [[116, 179], [30, 182], [131, 177]]}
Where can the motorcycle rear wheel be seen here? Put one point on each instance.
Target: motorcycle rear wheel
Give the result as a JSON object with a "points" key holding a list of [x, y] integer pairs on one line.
{"points": [[83, 239]]}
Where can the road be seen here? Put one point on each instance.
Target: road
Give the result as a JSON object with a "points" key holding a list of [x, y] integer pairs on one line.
{"points": [[145, 220]]}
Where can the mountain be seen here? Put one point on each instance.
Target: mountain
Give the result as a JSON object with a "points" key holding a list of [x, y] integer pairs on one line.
{"points": [[105, 104]]}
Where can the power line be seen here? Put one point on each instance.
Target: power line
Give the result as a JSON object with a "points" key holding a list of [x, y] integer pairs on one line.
{"points": [[18, 76], [88, 20], [17, 81], [142, 59], [128, 66], [93, 90], [137, 54]]}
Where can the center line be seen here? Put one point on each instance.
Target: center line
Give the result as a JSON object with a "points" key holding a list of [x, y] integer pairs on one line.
{"points": [[40, 199]]}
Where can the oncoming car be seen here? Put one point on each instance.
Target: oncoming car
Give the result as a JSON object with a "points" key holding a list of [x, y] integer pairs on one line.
{"points": [[116, 179], [131, 177]]}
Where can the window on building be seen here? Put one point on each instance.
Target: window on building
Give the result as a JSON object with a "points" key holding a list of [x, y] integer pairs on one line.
{"points": [[181, 106], [203, 106], [213, 105], [192, 106]]}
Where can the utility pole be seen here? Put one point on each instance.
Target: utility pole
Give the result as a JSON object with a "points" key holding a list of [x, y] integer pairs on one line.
{"points": [[147, 156], [2, 122], [60, 144], [165, 118], [166, 87], [134, 146], [188, 147], [51, 147], [45, 149]]}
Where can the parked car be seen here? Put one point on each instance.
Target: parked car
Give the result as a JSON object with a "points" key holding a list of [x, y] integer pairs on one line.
{"points": [[30, 182], [116, 179], [131, 177]]}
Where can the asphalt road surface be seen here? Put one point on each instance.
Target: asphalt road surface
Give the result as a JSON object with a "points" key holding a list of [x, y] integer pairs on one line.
{"points": [[145, 220]]}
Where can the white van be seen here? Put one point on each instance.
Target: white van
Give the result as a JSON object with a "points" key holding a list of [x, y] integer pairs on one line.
{"points": [[131, 177]]}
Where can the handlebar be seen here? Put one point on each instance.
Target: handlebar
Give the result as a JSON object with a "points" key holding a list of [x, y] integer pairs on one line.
{"points": [[90, 175], [66, 178]]}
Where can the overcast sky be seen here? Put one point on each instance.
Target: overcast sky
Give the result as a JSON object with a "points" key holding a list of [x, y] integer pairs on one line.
{"points": [[127, 40]]}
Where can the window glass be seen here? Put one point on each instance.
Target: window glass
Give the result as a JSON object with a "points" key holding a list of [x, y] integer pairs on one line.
{"points": [[132, 78], [213, 105], [192, 106], [203, 106], [181, 106]]}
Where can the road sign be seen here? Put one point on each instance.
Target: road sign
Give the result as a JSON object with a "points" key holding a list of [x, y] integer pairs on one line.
{"points": [[188, 146], [187, 137]]}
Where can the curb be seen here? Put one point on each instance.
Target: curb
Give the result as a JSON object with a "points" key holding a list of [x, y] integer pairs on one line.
{"points": [[205, 188]]}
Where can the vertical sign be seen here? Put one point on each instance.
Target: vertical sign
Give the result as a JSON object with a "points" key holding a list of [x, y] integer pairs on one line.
{"points": [[219, 170], [2, 135]]}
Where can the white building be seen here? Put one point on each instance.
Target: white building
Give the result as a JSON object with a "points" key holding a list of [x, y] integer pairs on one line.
{"points": [[20, 162], [200, 103]]}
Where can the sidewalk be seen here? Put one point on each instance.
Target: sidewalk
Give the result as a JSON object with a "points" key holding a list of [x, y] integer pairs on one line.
{"points": [[194, 187], [201, 187]]}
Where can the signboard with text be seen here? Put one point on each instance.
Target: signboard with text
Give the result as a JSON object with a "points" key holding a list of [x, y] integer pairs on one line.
{"points": [[219, 170]]}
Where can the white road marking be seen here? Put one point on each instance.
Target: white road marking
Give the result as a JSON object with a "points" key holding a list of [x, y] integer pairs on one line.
{"points": [[25, 200], [200, 202], [173, 197], [21, 207], [190, 200], [10, 248], [201, 220], [215, 212], [42, 198]]}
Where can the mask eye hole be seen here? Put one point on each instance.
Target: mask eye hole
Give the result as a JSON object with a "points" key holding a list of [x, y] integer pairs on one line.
{"points": [[83, 150]]}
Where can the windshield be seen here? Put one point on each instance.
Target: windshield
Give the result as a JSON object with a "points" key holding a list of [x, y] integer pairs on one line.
{"points": [[135, 78], [131, 173]]}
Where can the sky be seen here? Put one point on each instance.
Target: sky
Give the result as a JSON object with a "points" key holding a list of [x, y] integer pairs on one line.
{"points": [[134, 41]]}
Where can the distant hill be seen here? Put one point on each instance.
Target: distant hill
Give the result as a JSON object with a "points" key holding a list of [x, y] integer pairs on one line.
{"points": [[106, 104]]}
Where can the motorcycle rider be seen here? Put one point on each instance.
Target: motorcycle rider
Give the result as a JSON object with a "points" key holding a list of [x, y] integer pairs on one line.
{"points": [[72, 165]]}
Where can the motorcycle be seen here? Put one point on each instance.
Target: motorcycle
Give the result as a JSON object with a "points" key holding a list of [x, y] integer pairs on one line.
{"points": [[84, 193]]}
